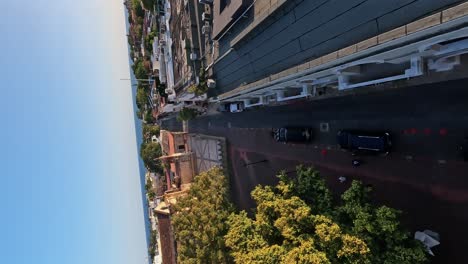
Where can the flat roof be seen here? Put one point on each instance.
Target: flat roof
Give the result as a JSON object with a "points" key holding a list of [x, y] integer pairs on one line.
{"points": [[225, 12]]}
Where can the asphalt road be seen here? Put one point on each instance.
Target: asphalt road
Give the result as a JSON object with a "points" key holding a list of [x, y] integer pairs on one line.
{"points": [[423, 176], [305, 29], [425, 121]]}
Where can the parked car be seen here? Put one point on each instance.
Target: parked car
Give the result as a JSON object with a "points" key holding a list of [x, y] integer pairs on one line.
{"points": [[236, 107], [292, 134], [362, 142], [223, 108], [231, 107]]}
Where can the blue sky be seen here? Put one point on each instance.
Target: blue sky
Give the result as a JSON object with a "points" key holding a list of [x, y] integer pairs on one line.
{"points": [[70, 187]]}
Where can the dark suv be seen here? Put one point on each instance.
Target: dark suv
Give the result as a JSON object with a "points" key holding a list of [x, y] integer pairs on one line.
{"points": [[292, 134], [364, 141]]}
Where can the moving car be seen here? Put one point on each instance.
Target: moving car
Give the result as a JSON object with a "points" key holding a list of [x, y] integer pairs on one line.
{"points": [[361, 142], [292, 134]]}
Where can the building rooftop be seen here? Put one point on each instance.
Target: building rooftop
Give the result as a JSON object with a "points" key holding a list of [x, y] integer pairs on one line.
{"points": [[225, 12]]}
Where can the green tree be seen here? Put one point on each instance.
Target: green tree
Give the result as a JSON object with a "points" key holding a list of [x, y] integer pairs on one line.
{"points": [[200, 220], [297, 222], [149, 39], [141, 98], [161, 88], [149, 118], [130, 19], [138, 8], [198, 89], [138, 30], [379, 227], [139, 70], [202, 86], [153, 245], [187, 114], [149, 190], [150, 152], [148, 4], [310, 187], [150, 130], [151, 194]]}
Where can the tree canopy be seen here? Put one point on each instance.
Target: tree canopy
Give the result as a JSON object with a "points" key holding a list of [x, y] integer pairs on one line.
{"points": [[141, 98], [297, 222], [138, 8], [148, 118], [187, 114], [148, 4], [200, 220], [202, 87], [149, 152], [139, 70], [150, 130]]}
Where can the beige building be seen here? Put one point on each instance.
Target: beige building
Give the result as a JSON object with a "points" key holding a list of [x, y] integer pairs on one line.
{"points": [[178, 161]]}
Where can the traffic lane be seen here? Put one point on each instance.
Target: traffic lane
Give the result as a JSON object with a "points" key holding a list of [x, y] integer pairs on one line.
{"points": [[427, 139], [432, 196], [446, 178], [447, 173], [444, 103], [427, 120], [439, 101]]}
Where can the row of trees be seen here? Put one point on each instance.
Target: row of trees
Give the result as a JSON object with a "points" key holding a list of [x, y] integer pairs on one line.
{"points": [[296, 221]]}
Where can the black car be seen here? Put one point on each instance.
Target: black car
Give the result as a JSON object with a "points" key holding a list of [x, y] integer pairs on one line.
{"points": [[292, 134], [361, 142]]}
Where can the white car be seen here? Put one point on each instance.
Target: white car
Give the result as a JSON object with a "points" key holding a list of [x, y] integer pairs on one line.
{"points": [[236, 107]]}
